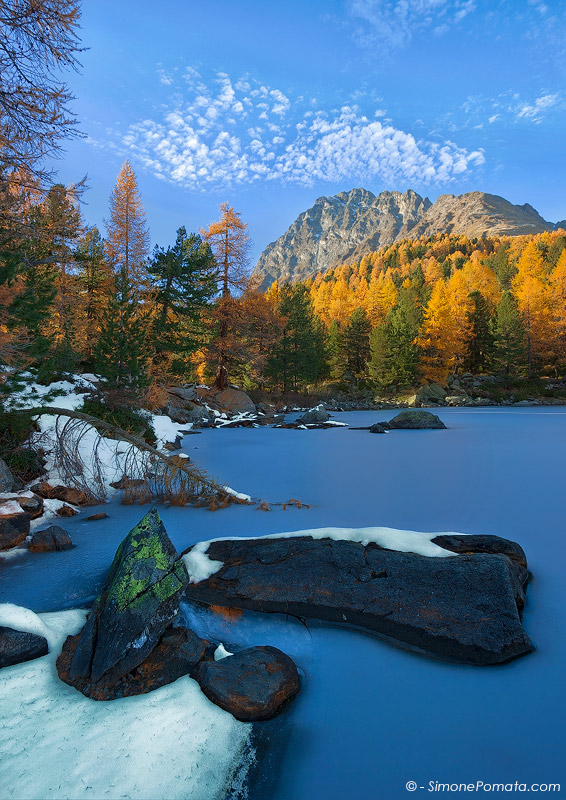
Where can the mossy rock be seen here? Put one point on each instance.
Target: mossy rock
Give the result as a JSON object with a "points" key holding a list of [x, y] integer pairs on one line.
{"points": [[139, 600], [415, 419]]}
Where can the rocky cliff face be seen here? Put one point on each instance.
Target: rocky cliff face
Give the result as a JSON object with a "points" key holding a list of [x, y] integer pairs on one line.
{"points": [[332, 231], [343, 228]]}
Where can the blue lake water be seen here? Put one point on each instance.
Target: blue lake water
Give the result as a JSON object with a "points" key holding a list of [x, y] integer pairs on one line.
{"points": [[371, 716]]}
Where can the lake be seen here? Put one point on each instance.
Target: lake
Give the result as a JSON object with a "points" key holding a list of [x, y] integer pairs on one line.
{"points": [[372, 717]]}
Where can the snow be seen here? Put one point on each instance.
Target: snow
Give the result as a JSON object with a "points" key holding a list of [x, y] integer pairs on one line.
{"points": [[10, 507], [22, 619], [165, 429], [221, 652], [56, 743], [237, 495], [13, 552], [200, 567]]}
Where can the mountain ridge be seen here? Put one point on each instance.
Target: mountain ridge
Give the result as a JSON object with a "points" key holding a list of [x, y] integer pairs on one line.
{"points": [[343, 227]]}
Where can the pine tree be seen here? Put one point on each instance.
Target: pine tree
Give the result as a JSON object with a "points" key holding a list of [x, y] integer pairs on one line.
{"points": [[480, 346], [184, 282], [230, 245], [336, 363], [96, 283], [509, 337], [394, 353], [355, 343]]}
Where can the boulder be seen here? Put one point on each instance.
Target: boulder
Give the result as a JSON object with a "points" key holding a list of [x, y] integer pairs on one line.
{"points": [[14, 525], [178, 652], [431, 393], [51, 538], [377, 427], [413, 419], [17, 646], [232, 401], [253, 684], [66, 511], [315, 416], [461, 608], [31, 505], [6, 477], [66, 493], [139, 600]]}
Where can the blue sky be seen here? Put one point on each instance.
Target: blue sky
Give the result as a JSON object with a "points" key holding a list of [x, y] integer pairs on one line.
{"points": [[269, 105]]}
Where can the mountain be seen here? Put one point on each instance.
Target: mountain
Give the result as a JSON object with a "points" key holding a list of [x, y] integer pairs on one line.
{"points": [[332, 231], [342, 228]]}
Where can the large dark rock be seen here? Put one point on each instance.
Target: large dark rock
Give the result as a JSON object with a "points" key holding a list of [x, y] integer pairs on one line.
{"points": [[51, 538], [253, 684], [414, 419], [177, 653], [461, 608], [14, 527], [6, 477], [17, 646], [139, 600], [315, 416]]}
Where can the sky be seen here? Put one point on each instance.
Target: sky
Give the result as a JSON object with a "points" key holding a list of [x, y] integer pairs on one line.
{"points": [[268, 106]]}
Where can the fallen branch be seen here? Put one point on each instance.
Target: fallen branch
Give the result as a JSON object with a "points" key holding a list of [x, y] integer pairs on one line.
{"points": [[160, 476]]}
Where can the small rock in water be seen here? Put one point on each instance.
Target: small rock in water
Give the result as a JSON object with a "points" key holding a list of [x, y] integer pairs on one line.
{"points": [[51, 538], [17, 646], [377, 427], [413, 419], [314, 417], [253, 684], [95, 517]]}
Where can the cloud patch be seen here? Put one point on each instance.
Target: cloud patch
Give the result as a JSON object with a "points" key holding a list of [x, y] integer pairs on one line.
{"points": [[241, 132]]}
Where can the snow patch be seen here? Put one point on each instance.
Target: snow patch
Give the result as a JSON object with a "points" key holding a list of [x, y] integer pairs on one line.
{"points": [[200, 567], [221, 652], [10, 507], [172, 742], [237, 495], [22, 619]]}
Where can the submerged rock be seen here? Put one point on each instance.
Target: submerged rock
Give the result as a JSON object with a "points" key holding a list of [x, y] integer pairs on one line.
{"points": [[177, 653], [17, 646], [463, 608], [415, 419], [51, 538], [252, 685], [137, 603], [96, 517]]}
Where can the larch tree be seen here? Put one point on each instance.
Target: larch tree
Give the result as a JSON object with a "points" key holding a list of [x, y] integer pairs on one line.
{"points": [[230, 243], [122, 351]]}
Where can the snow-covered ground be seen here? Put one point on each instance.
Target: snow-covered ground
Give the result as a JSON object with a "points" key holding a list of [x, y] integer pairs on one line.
{"points": [[56, 743]]}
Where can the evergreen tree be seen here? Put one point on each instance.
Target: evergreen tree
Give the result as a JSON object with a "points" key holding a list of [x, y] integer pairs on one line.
{"points": [[480, 346], [122, 350], [184, 282], [336, 363], [96, 283], [300, 355], [394, 352], [355, 343], [509, 336]]}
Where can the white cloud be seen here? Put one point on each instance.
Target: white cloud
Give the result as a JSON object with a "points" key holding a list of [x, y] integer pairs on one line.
{"points": [[534, 111], [510, 107], [241, 132], [395, 22]]}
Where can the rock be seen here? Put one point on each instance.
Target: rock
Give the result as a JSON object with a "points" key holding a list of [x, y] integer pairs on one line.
{"points": [[232, 401], [14, 525], [461, 608], [66, 493], [431, 393], [127, 483], [51, 538], [377, 427], [174, 446], [253, 684], [66, 511], [458, 400], [315, 416], [178, 652], [96, 517], [6, 477], [32, 506], [138, 601], [185, 393], [17, 646], [412, 401], [416, 420]]}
